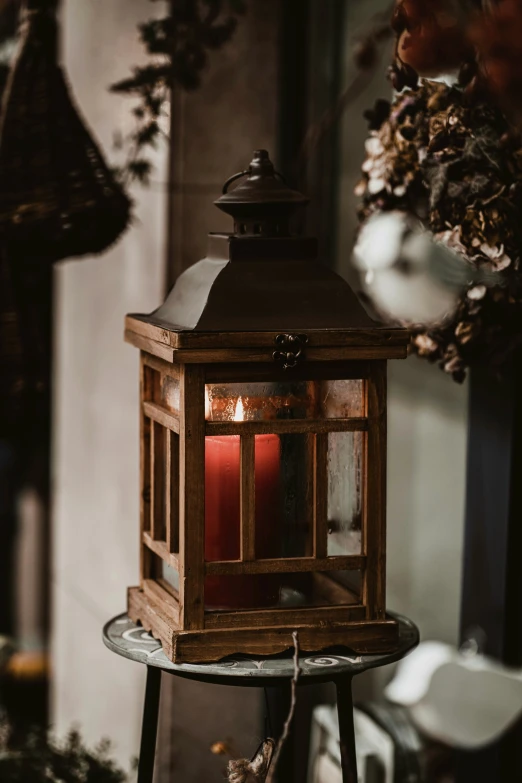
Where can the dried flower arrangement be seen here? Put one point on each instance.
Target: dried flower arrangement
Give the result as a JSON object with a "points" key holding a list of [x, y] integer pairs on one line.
{"points": [[450, 155]]}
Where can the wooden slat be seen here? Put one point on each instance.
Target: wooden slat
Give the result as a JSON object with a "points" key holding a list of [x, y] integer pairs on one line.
{"points": [[274, 617], [155, 590], [172, 491], [321, 496], [168, 487], [145, 475], [160, 350], [358, 338], [282, 426], [192, 497], [161, 416], [363, 637], [307, 371], [141, 328], [161, 366], [292, 565], [265, 355], [157, 456], [374, 517], [248, 501], [152, 614], [163, 333], [160, 549]]}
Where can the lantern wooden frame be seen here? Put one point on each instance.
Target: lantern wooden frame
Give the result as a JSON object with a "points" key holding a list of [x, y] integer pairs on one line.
{"points": [[186, 630], [259, 308]]}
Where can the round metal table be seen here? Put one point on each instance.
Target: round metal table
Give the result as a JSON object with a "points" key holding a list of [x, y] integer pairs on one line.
{"points": [[125, 638]]}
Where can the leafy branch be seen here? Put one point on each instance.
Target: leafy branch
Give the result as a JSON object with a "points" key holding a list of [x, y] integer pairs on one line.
{"points": [[42, 760], [178, 47]]}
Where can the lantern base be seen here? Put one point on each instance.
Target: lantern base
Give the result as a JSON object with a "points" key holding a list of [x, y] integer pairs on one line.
{"points": [[364, 637]]}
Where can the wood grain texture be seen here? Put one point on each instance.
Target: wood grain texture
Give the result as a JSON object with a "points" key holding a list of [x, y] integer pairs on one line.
{"points": [[151, 347], [282, 426], [157, 495], [156, 592], [363, 638], [235, 347], [160, 549], [145, 476], [192, 496], [161, 416], [262, 618], [151, 614], [374, 517], [161, 366], [265, 355], [141, 328], [358, 338], [172, 492], [205, 646], [317, 337], [292, 565]]}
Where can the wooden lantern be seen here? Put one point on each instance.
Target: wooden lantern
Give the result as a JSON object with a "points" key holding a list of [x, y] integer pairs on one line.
{"points": [[263, 446]]}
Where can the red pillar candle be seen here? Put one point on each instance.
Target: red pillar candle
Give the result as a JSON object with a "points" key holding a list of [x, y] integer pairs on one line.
{"points": [[223, 519]]}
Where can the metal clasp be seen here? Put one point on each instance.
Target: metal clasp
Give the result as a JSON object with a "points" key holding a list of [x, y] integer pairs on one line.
{"points": [[291, 349]]}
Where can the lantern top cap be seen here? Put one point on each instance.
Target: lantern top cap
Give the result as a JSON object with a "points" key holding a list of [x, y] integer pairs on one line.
{"points": [[263, 194], [260, 282]]}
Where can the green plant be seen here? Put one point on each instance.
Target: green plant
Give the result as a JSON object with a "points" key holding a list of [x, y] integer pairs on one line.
{"points": [[177, 46], [43, 760]]}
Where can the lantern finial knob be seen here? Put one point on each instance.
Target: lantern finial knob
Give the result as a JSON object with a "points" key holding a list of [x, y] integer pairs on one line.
{"points": [[263, 204]]}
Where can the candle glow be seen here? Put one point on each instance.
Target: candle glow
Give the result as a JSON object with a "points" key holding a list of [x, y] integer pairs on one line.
{"points": [[223, 513]]}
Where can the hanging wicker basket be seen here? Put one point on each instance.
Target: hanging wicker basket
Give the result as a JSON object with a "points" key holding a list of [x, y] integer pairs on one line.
{"points": [[58, 199], [57, 194]]}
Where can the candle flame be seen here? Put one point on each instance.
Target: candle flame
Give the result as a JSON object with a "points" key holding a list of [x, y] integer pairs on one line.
{"points": [[208, 411], [239, 413]]}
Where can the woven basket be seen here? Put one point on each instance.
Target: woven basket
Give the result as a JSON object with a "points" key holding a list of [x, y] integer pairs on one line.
{"points": [[58, 199], [56, 192]]}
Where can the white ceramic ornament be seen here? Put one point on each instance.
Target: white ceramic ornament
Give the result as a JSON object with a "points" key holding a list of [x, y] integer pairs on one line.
{"points": [[465, 701], [407, 273]]}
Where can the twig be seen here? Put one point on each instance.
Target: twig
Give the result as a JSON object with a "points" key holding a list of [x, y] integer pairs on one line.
{"points": [[288, 723]]}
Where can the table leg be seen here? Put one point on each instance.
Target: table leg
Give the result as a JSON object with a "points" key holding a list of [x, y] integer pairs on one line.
{"points": [[346, 729], [149, 729]]}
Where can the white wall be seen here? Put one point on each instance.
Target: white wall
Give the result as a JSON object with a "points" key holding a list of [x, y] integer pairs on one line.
{"points": [[427, 423], [96, 404], [427, 417]]}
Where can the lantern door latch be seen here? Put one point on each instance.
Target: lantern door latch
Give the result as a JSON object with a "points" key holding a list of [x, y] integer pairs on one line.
{"points": [[290, 349]]}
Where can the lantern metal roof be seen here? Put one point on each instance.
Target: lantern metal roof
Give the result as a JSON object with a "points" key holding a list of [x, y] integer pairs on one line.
{"points": [[261, 278]]}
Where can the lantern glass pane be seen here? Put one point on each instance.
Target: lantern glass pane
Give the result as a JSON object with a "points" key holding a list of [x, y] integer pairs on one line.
{"points": [[159, 569], [345, 492], [284, 400], [170, 575], [222, 498], [163, 389], [284, 495], [288, 591], [170, 393], [341, 399]]}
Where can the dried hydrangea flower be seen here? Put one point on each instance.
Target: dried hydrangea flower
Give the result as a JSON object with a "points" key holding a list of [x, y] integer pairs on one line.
{"points": [[456, 164]]}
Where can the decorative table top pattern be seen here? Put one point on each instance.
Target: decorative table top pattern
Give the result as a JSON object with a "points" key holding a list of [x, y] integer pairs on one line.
{"points": [[125, 638]]}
